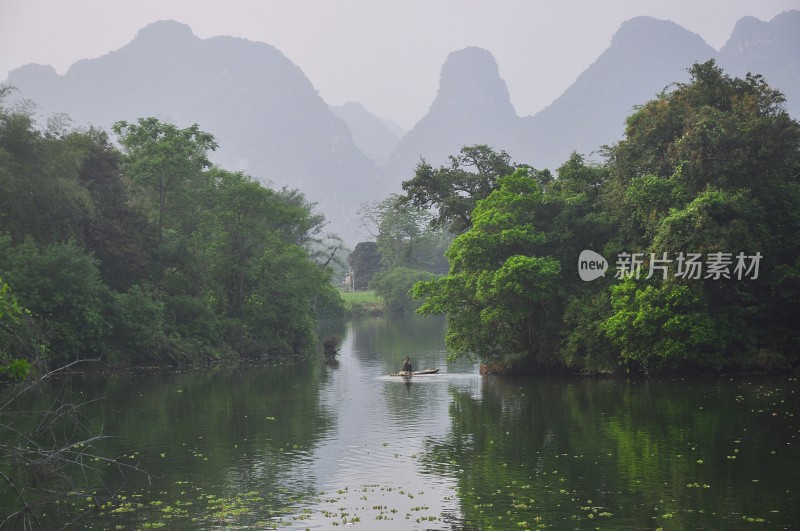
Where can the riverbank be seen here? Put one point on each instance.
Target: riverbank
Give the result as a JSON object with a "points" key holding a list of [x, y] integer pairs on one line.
{"points": [[363, 303]]}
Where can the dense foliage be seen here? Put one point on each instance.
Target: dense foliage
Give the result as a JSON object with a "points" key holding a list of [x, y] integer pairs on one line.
{"points": [[410, 246], [148, 253], [453, 190], [695, 211], [413, 231], [364, 262]]}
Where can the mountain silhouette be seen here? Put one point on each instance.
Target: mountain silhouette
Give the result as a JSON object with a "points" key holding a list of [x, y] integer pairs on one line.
{"points": [[267, 117], [646, 56], [374, 136], [271, 123], [472, 106], [771, 49]]}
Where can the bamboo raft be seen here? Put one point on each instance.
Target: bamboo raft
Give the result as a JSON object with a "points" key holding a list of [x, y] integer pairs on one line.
{"points": [[407, 374]]}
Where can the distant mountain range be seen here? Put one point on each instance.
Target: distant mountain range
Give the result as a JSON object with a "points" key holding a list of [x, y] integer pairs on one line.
{"points": [[375, 137], [646, 55], [271, 123], [268, 119]]}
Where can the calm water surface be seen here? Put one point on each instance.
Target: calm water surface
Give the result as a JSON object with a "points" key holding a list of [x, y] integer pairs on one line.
{"points": [[334, 447]]}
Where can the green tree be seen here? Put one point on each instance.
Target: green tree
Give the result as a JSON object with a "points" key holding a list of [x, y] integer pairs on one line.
{"points": [[240, 223], [410, 246], [164, 159], [577, 220], [394, 285], [663, 326], [406, 239], [255, 264], [365, 262], [453, 191], [712, 167], [151, 254], [168, 168], [39, 175], [61, 286], [117, 232], [15, 352], [502, 295]]}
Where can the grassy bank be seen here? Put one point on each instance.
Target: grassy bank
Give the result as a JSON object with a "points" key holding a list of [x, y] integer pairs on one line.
{"points": [[363, 303]]}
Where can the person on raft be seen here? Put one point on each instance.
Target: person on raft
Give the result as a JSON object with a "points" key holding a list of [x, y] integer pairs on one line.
{"points": [[406, 365]]}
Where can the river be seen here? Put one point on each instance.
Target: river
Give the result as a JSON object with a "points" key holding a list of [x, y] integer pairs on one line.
{"points": [[347, 445]]}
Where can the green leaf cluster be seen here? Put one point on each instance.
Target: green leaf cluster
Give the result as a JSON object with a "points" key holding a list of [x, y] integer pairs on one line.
{"points": [[453, 190], [394, 284], [11, 316]]}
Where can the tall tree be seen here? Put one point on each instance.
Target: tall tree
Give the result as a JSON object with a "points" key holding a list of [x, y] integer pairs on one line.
{"points": [[712, 167], [163, 158], [502, 294], [364, 262], [39, 175], [60, 284], [453, 191], [405, 236]]}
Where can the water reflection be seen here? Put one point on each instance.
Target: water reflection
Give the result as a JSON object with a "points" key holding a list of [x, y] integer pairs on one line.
{"points": [[320, 446], [623, 454], [212, 445], [371, 460]]}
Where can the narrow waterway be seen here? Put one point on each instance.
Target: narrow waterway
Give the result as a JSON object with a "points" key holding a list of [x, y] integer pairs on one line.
{"points": [[327, 446]]}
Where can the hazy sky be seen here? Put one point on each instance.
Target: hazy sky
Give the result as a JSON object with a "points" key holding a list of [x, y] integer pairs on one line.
{"points": [[384, 54]]}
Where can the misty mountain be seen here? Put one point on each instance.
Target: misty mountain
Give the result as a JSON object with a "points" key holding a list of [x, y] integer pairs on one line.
{"points": [[267, 117], [472, 106], [645, 57], [376, 137], [771, 49], [271, 123], [393, 126]]}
